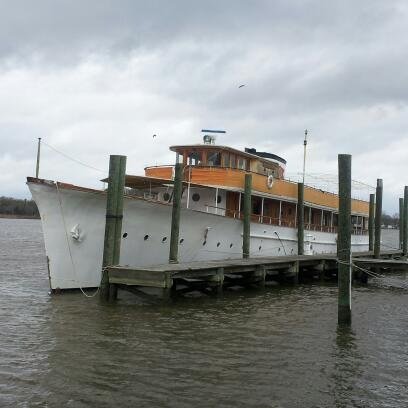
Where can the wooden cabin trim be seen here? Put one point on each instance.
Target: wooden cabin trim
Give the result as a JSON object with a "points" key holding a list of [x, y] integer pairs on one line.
{"points": [[222, 177], [163, 172]]}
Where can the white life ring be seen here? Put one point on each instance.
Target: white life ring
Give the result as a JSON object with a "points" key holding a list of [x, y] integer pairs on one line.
{"points": [[269, 181]]}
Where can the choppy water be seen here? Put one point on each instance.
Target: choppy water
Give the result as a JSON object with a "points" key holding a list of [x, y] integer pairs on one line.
{"points": [[278, 347]]}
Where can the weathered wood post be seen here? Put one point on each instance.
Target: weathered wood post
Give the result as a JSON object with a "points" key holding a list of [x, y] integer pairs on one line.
{"points": [[113, 224], [175, 215], [378, 213], [401, 222], [246, 238], [344, 240], [405, 217], [301, 219], [371, 217]]}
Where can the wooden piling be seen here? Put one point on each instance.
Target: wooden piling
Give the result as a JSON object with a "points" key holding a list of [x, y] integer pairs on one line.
{"points": [[175, 216], [301, 219], [113, 224], [405, 218], [246, 238], [401, 222], [344, 240], [378, 213], [371, 216]]}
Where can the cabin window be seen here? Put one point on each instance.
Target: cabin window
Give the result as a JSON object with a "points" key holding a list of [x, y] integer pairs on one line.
{"points": [[226, 158], [195, 158], [219, 199], [256, 205], [233, 161], [241, 163], [214, 159]]}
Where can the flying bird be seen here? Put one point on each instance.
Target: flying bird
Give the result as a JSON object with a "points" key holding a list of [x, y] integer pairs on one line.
{"points": [[241, 86]]}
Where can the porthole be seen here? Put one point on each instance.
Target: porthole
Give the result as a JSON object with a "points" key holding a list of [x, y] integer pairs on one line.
{"points": [[231, 245], [181, 240], [164, 239], [146, 237], [219, 199], [279, 249], [204, 243], [218, 244], [125, 235], [259, 248], [166, 196], [195, 197]]}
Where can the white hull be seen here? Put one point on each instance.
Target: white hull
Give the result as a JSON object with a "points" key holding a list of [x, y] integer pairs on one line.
{"points": [[74, 224]]}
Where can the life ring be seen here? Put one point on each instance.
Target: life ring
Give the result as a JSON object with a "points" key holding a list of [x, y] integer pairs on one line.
{"points": [[269, 181]]}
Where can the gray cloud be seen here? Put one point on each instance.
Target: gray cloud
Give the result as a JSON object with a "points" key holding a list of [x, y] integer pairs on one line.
{"points": [[64, 26], [100, 76]]}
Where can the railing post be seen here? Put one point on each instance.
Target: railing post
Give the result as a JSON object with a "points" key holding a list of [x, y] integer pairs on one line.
{"points": [[246, 238], [401, 222], [371, 213], [301, 219], [344, 240], [405, 217], [378, 213], [175, 216], [113, 224]]}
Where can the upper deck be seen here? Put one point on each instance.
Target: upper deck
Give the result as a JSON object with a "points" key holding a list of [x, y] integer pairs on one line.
{"points": [[224, 167]]}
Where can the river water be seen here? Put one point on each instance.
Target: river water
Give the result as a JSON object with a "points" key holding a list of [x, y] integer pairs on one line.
{"points": [[277, 347]]}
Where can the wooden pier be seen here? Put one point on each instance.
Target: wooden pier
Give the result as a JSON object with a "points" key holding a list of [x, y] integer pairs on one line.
{"points": [[214, 276]]}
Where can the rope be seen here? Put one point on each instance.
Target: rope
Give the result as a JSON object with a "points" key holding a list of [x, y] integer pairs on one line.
{"points": [[374, 275], [71, 158], [70, 252], [283, 246], [389, 246]]}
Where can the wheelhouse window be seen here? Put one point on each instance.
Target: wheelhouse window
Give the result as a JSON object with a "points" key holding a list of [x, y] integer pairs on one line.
{"points": [[226, 159], [232, 161], [214, 159], [195, 158], [241, 163]]}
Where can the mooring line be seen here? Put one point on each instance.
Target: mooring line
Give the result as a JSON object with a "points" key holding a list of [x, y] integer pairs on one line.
{"points": [[375, 275]]}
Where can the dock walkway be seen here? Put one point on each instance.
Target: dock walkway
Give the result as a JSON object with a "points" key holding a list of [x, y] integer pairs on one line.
{"points": [[210, 275]]}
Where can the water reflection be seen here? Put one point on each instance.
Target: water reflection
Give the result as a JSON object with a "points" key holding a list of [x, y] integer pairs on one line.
{"points": [[347, 367]]}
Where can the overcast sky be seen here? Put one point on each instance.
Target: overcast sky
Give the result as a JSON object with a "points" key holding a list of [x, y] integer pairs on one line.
{"points": [[99, 77]]}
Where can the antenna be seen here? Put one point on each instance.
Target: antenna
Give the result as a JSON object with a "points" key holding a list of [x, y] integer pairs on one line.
{"points": [[304, 156]]}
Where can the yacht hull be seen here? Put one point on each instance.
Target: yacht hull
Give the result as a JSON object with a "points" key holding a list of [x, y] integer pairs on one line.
{"points": [[73, 221]]}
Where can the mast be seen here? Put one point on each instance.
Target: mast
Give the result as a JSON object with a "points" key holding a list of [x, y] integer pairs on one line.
{"points": [[304, 156], [37, 167]]}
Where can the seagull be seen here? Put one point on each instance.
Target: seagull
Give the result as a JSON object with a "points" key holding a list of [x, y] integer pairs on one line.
{"points": [[241, 86]]}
